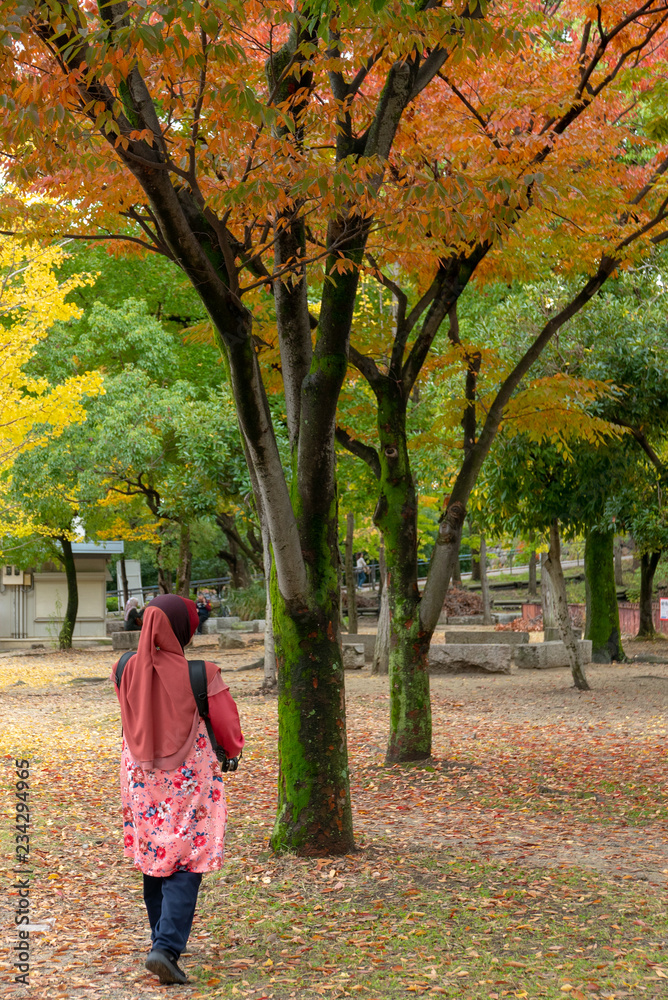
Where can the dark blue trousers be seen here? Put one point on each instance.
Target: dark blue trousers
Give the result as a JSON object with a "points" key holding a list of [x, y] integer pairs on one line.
{"points": [[170, 904]]}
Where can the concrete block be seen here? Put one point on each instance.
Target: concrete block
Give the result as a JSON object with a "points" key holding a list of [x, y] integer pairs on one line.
{"points": [[115, 625], [368, 640], [544, 655], [227, 641], [478, 637], [125, 640], [465, 620], [353, 655], [261, 624], [505, 617], [209, 627], [226, 623], [245, 627], [456, 658]]}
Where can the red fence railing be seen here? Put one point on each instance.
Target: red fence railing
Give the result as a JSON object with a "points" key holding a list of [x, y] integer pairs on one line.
{"points": [[629, 615]]}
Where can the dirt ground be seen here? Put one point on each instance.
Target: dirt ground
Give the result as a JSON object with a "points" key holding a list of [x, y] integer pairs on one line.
{"points": [[526, 771]]}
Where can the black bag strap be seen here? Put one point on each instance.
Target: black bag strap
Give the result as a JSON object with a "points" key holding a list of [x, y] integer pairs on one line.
{"points": [[121, 665], [199, 684]]}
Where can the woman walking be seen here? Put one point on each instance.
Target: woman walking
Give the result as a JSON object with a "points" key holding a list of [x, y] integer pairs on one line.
{"points": [[172, 791]]}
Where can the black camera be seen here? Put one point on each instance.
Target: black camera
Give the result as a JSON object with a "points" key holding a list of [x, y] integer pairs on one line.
{"points": [[227, 763]]}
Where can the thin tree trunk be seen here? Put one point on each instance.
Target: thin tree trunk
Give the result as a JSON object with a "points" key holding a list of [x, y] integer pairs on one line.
{"points": [[533, 582], [343, 624], [226, 522], [70, 619], [547, 599], [648, 563], [602, 624], [396, 517], [270, 679], [184, 569], [619, 574], [124, 583], [484, 583], [381, 652], [457, 573], [237, 552], [164, 574], [351, 582], [552, 566]]}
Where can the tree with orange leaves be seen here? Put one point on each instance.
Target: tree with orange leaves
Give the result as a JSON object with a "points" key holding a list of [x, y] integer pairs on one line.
{"points": [[266, 146]]}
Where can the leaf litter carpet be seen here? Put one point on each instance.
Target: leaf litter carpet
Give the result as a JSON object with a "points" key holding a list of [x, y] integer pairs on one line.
{"points": [[526, 773]]}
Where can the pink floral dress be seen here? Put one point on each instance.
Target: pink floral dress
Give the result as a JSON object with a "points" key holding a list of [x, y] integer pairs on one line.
{"points": [[175, 820]]}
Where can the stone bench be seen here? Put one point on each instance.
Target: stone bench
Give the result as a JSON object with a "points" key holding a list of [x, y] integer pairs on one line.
{"points": [[114, 625], [368, 640], [544, 655], [234, 624], [222, 624], [353, 655], [453, 658], [125, 640], [471, 636]]}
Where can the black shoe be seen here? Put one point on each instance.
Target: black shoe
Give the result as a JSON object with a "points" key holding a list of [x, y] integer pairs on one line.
{"points": [[165, 966]]}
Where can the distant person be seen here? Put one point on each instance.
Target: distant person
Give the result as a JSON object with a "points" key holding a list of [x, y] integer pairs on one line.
{"points": [[203, 610], [362, 570], [132, 615]]}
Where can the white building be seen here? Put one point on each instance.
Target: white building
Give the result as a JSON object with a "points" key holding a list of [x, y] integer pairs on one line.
{"points": [[33, 601]]}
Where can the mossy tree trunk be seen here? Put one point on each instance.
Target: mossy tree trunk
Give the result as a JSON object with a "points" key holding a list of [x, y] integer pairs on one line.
{"points": [[648, 563], [553, 568], [314, 814], [351, 581], [70, 619], [314, 810], [602, 610], [396, 517], [381, 652]]}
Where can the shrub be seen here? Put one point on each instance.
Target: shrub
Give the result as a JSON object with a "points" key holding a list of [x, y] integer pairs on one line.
{"points": [[247, 602], [112, 604]]}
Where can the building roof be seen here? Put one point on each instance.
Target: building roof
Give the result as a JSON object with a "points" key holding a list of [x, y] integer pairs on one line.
{"points": [[115, 548]]}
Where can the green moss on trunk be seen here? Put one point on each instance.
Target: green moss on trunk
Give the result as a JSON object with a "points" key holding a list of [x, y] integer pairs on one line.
{"points": [[602, 625], [396, 516], [314, 814]]}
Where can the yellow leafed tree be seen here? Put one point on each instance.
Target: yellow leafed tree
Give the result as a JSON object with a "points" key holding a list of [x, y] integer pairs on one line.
{"points": [[31, 301], [32, 410]]}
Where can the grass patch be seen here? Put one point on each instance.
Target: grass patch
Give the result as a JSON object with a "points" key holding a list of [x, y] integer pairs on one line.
{"points": [[380, 925]]}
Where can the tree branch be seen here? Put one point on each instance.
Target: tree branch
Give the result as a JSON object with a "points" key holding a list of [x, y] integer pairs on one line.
{"points": [[366, 452]]}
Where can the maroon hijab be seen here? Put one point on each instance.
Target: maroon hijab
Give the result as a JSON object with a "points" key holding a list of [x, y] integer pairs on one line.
{"points": [[158, 711], [181, 613]]}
